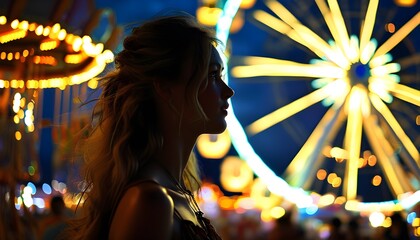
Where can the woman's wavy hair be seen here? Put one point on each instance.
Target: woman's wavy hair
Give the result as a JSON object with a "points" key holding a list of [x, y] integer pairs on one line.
{"points": [[124, 135]]}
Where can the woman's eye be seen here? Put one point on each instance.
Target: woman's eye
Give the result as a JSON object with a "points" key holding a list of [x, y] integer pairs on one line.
{"points": [[213, 75], [216, 75]]}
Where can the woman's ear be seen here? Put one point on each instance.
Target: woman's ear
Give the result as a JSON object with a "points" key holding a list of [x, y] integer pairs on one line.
{"points": [[167, 93]]}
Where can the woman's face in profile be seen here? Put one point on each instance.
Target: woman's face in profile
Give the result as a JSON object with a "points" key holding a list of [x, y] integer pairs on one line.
{"points": [[214, 96]]}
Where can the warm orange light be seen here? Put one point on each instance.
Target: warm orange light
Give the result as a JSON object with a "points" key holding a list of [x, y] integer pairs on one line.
{"points": [[321, 174], [405, 3]]}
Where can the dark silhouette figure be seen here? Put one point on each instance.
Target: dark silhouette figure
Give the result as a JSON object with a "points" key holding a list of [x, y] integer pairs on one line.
{"points": [[353, 230], [285, 228], [55, 222], [335, 229], [398, 230]]}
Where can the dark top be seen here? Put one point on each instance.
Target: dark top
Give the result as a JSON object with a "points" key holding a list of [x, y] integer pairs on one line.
{"points": [[189, 231]]}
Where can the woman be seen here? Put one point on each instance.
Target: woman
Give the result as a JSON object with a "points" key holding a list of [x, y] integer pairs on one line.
{"points": [[166, 91]]}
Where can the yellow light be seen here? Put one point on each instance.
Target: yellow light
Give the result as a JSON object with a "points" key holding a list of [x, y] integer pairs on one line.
{"points": [[337, 152], [361, 163], [405, 3], [12, 35], [376, 219], [266, 216], [46, 31], [331, 177], [326, 200], [390, 27], [56, 28], [93, 84], [336, 182], [24, 25], [39, 30], [3, 20], [321, 174], [372, 160], [235, 174], [48, 44], [77, 43], [247, 4], [352, 141], [75, 58], [14, 24], [376, 180], [62, 34], [387, 222], [18, 135], [237, 22], [31, 128], [369, 22], [16, 119], [277, 212], [208, 15], [32, 27], [416, 222], [214, 146], [340, 200]]}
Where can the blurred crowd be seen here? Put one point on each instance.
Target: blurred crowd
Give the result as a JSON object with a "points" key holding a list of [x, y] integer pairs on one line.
{"points": [[47, 225]]}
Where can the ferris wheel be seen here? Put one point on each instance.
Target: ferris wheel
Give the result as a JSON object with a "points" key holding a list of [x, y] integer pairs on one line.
{"points": [[337, 84]]}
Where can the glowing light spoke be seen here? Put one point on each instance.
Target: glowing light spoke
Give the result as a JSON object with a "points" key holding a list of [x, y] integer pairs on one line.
{"points": [[311, 38], [398, 36], [385, 69], [405, 93], [400, 149], [340, 25], [379, 88], [368, 51], [368, 24], [354, 49], [380, 60], [398, 130], [383, 151], [298, 173], [286, 68], [326, 13], [331, 23], [281, 27], [288, 110], [352, 142]]}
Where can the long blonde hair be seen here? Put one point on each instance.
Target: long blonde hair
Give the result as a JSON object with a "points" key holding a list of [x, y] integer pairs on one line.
{"points": [[124, 135]]}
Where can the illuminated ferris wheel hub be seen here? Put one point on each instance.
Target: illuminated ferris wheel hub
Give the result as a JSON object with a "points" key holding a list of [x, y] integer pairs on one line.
{"points": [[359, 73]]}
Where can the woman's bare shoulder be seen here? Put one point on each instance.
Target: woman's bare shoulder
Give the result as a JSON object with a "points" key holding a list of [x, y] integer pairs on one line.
{"points": [[145, 210]]}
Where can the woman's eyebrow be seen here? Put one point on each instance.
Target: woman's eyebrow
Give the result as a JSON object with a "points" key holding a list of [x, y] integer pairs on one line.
{"points": [[217, 64]]}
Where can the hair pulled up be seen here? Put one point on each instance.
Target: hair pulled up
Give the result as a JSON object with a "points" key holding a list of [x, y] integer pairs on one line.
{"points": [[124, 135]]}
